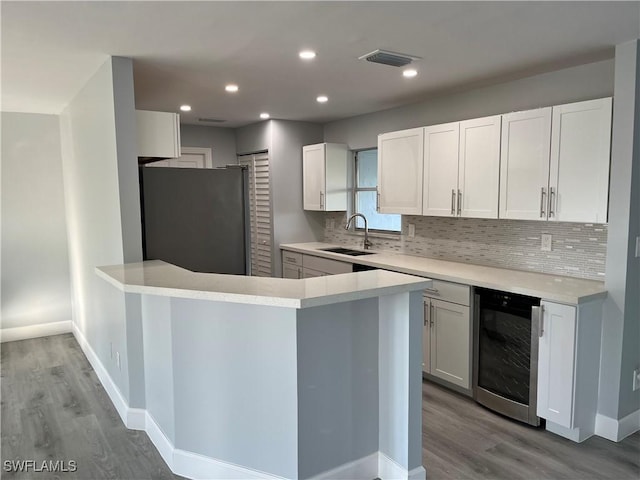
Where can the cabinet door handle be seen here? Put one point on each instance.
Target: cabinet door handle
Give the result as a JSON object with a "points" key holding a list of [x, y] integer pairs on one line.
{"points": [[431, 315], [539, 312], [425, 313], [552, 196], [432, 290], [459, 202], [377, 200], [290, 259], [453, 201], [299, 272], [321, 201], [543, 194]]}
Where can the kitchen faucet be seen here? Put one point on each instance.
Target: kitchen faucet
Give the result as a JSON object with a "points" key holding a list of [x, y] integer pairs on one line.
{"points": [[367, 243]]}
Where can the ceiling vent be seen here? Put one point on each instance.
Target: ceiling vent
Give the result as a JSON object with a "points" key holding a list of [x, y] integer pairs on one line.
{"points": [[386, 57], [211, 120]]}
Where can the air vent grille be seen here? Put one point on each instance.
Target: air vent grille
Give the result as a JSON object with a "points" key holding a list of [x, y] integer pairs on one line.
{"points": [[211, 120], [386, 57]]}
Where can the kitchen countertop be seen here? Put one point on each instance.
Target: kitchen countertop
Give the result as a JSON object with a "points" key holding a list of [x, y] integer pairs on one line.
{"points": [[571, 291], [156, 277]]}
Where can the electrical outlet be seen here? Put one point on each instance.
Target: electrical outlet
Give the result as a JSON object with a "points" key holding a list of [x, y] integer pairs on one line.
{"points": [[118, 360], [546, 243], [636, 379], [412, 230]]}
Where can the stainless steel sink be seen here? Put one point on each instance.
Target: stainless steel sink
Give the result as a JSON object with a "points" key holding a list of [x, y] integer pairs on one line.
{"points": [[346, 251]]}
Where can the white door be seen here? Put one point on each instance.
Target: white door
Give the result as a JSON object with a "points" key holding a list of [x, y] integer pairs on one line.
{"points": [[313, 177], [580, 153], [426, 336], [524, 164], [440, 175], [450, 342], [259, 213], [400, 162], [192, 157], [556, 361], [479, 167]]}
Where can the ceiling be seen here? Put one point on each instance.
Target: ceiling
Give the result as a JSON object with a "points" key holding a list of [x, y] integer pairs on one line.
{"points": [[186, 52]]}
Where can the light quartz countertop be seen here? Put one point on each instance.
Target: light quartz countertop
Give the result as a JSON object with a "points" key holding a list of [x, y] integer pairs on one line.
{"points": [[156, 277], [571, 291]]}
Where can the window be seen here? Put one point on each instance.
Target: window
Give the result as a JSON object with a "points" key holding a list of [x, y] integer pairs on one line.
{"points": [[366, 175]]}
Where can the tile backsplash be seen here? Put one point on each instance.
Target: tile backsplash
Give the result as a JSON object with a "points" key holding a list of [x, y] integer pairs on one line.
{"points": [[578, 249]]}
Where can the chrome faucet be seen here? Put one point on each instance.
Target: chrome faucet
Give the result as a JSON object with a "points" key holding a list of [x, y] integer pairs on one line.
{"points": [[367, 243]]}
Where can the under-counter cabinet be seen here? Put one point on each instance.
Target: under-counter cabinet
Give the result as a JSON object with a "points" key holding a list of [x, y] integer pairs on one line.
{"points": [[446, 341], [158, 134], [324, 177], [400, 163], [555, 163], [462, 168], [297, 265], [568, 368]]}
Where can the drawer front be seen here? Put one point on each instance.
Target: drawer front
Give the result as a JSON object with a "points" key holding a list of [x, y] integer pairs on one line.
{"points": [[450, 292], [310, 273], [292, 258], [331, 267]]}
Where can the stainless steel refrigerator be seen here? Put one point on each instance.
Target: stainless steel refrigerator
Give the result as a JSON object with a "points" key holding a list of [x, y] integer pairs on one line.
{"points": [[196, 218]]}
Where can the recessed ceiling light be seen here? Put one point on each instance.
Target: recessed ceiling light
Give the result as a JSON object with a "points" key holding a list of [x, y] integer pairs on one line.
{"points": [[322, 99], [264, 115], [307, 54], [409, 73], [185, 108], [231, 88]]}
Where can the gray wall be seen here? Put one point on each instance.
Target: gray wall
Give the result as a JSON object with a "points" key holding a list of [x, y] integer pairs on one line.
{"points": [[563, 86], [35, 262], [621, 319], [254, 138], [103, 211], [221, 141]]}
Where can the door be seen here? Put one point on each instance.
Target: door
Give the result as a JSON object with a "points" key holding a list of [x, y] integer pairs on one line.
{"points": [[479, 167], [291, 271], [556, 361], [192, 157], [440, 175], [313, 177], [524, 164], [400, 166], [580, 153], [259, 213], [450, 342]]}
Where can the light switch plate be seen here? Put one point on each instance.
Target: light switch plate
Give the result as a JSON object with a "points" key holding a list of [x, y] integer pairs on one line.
{"points": [[412, 230], [546, 243]]}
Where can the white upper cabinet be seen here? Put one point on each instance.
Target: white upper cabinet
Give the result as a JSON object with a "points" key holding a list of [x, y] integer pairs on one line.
{"points": [[324, 177], [555, 163], [158, 134], [580, 153], [524, 164], [440, 175], [479, 167], [400, 163]]}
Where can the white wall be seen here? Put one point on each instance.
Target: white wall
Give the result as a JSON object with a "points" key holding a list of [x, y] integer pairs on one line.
{"points": [[103, 212], [221, 141], [35, 264]]}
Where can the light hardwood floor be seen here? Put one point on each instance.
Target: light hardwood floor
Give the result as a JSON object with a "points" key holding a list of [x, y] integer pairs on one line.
{"points": [[54, 408]]}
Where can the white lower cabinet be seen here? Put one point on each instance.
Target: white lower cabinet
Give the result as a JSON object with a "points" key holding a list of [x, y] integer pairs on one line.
{"points": [[568, 368], [446, 341], [297, 265]]}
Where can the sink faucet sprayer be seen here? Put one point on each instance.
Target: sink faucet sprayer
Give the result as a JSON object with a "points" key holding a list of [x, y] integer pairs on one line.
{"points": [[367, 243]]}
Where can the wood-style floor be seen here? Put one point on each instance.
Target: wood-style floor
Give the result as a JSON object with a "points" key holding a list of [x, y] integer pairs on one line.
{"points": [[54, 408]]}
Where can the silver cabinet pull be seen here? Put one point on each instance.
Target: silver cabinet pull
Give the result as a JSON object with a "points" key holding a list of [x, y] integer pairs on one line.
{"points": [[299, 272], [543, 194], [377, 200], [431, 315], [321, 201], [432, 290], [459, 202], [425, 313], [453, 201], [552, 196]]}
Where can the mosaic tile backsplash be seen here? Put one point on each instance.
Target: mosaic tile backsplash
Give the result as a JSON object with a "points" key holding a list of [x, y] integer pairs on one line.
{"points": [[578, 250]]}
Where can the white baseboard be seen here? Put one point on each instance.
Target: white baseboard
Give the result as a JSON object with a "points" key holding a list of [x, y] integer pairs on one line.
{"points": [[390, 470], [34, 331], [616, 430], [105, 379], [365, 467]]}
